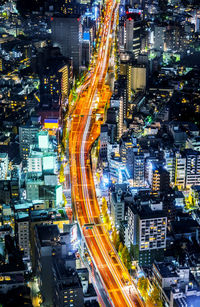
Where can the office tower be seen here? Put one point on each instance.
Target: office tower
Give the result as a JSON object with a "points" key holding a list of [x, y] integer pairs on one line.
{"points": [[159, 36], [27, 137], [147, 228], [129, 34], [133, 34], [67, 34]]}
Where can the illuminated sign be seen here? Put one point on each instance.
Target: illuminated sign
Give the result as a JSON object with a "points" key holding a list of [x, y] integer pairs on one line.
{"points": [[50, 123], [135, 11], [86, 36]]}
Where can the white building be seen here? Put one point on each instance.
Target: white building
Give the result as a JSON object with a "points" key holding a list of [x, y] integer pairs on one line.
{"points": [[35, 162], [3, 166]]}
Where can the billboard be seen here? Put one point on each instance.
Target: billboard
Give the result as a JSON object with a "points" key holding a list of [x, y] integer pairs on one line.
{"points": [[51, 123]]}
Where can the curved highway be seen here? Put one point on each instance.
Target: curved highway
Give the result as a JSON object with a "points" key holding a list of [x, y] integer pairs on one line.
{"points": [[83, 131]]}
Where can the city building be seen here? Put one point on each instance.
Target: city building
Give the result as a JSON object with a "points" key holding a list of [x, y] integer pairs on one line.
{"points": [[47, 245], [117, 204], [133, 34], [70, 41], [22, 233], [147, 229], [68, 290], [27, 137], [159, 178], [138, 169], [175, 284], [159, 38]]}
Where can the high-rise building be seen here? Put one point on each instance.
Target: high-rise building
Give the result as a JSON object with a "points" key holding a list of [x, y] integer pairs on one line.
{"points": [[133, 34], [47, 244], [126, 153], [54, 83], [67, 34], [180, 170], [27, 137], [159, 178], [117, 205], [129, 34], [147, 228], [138, 169], [22, 231], [104, 139]]}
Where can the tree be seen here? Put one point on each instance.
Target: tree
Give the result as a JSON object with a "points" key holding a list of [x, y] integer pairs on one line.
{"points": [[120, 248], [155, 297], [149, 301], [14, 129], [106, 218], [126, 258], [104, 207], [64, 199], [115, 238], [62, 176], [143, 286]]}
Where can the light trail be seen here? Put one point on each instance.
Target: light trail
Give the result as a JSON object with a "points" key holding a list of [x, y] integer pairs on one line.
{"points": [[82, 184]]}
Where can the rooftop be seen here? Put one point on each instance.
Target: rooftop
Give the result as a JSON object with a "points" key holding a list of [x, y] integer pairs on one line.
{"points": [[47, 234]]}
